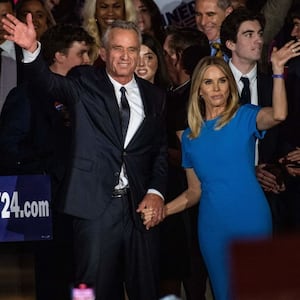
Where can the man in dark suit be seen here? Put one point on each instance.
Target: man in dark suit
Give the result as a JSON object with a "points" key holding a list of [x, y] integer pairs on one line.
{"points": [[209, 16], [242, 34], [290, 133], [112, 175]]}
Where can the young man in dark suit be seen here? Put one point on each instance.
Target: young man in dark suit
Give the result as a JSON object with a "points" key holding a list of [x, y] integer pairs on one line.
{"points": [[242, 36], [113, 175], [290, 133]]}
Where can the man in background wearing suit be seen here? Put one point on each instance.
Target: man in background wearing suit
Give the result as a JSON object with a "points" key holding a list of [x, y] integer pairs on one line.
{"points": [[209, 15], [113, 175], [242, 36]]}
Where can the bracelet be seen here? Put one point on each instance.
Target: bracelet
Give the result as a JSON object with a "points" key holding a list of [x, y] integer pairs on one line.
{"points": [[278, 75]]}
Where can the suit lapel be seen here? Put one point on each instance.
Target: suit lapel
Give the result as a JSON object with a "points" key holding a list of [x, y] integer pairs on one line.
{"points": [[111, 104]]}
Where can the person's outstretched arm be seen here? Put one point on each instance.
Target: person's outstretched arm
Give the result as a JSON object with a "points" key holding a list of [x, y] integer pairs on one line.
{"points": [[188, 198], [271, 116], [20, 33]]}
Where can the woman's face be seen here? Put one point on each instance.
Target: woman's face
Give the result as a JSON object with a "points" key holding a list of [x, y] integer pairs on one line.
{"points": [[143, 17], [214, 89], [107, 11], [147, 64], [39, 16]]}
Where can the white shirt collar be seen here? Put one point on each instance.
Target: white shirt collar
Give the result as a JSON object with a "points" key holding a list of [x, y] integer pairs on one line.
{"points": [[131, 85], [8, 49], [118, 85], [238, 74]]}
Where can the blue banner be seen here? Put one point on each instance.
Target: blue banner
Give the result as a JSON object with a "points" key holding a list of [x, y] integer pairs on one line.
{"points": [[25, 212]]}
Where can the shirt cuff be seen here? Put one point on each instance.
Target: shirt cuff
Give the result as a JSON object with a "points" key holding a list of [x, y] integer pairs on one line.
{"points": [[156, 192], [29, 57]]}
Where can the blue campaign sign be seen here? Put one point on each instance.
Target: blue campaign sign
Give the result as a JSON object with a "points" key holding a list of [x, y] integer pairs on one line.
{"points": [[25, 212]]}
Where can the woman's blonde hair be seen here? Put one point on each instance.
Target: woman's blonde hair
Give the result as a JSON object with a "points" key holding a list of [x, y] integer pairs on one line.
{"points": [[89, 22], [196, 109]]}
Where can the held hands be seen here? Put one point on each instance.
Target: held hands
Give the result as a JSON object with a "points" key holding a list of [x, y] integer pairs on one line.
{"points": [[269, 181], [292, 162], [152, 210], [279, 57], [20, 33]]}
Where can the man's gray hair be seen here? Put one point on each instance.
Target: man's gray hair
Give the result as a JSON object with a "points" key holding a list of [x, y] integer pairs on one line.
{"points": [[224, 4], [121, 24]]}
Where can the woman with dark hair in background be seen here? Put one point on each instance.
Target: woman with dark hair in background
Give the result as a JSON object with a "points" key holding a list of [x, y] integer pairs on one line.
{"points": [[151, 65], [41, 16], [149, 19]]}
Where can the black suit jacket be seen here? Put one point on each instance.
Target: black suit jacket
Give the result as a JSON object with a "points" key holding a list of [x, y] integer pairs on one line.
{"points": [[33, 138], [290, 129], [97, 150], [268, 147]]}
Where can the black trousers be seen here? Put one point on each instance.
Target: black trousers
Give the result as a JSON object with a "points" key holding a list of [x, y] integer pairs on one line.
{"points": [[111, 252]]}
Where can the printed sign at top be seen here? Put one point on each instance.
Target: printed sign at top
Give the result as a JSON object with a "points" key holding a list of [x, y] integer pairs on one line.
{"points": [[179, 13]]}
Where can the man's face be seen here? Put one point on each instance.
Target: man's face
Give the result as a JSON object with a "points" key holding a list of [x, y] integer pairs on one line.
{"points": [[296, 29], [171, 60], [76, 55], [209, 17], [249, 42], [121, 54], [5, 8]]}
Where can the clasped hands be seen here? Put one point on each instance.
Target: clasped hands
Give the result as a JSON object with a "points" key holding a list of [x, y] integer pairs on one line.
{"points": [[151, 210], [271, 180]]}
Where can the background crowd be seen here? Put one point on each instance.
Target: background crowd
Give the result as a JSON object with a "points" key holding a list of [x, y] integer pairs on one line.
{"points": [[38, 138]]}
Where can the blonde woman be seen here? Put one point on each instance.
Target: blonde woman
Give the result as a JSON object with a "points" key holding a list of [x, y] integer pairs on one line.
{"points": [[218, 155], [99, 14]]}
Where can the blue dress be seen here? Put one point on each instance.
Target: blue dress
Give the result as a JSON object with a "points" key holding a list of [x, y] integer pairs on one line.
{"points": [[232, 204]]}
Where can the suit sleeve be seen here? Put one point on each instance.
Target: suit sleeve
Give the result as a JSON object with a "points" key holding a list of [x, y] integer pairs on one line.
{"points": [[160, 166], [60, 88], [15, 144]]}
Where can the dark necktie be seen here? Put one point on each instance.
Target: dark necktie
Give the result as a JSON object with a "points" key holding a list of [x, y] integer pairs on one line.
{"points": [[124, 112], [218, 48], [245, 94]]}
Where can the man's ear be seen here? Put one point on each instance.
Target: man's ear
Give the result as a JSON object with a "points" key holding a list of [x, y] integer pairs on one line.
{"points": [[102, 53], [59, 57], [228, 10], [230, 45]]}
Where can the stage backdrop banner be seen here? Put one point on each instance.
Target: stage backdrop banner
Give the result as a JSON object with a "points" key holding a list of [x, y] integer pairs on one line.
{"points": [[25, 213], [180, 13]]}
